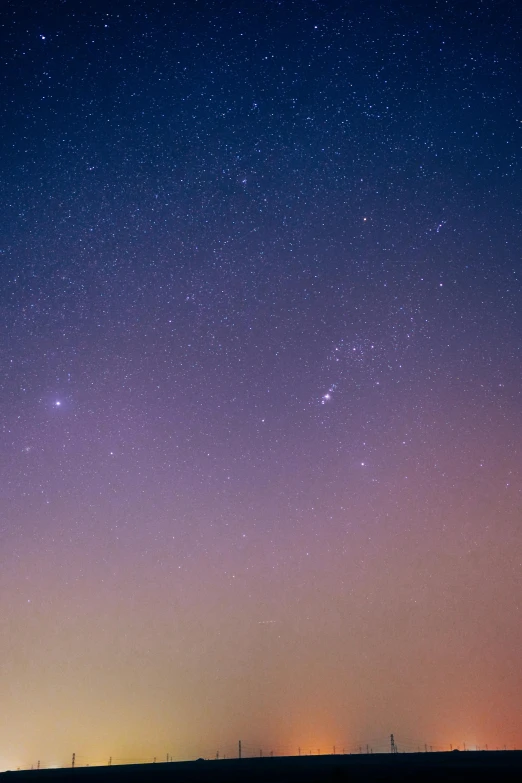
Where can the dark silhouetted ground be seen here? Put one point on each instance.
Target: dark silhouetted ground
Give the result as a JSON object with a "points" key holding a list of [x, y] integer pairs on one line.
{"points": [[494, 766]]}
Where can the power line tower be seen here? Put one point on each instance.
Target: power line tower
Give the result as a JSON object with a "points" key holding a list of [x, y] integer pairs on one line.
{"points": [[393, 746]]}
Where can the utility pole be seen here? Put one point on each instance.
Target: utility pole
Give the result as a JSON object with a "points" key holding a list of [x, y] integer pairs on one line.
{"points": [[239, 749], [260, 753], [298, 751], [366, 749], [38, 765], [110, 761], [217, 755], [334, 750], [73, 760]]}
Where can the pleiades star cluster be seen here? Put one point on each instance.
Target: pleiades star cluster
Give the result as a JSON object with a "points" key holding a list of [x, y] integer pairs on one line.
{"points": [[260, 377]]}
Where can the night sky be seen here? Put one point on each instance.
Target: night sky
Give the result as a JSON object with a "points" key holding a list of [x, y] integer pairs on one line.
{"points": [[260, 377]]}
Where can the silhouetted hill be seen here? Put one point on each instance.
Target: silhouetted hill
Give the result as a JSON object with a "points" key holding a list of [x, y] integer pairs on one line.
{"points": [[494, 766]]}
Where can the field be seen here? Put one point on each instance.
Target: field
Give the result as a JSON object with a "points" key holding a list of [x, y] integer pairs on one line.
{"points": [[494, 766]]}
